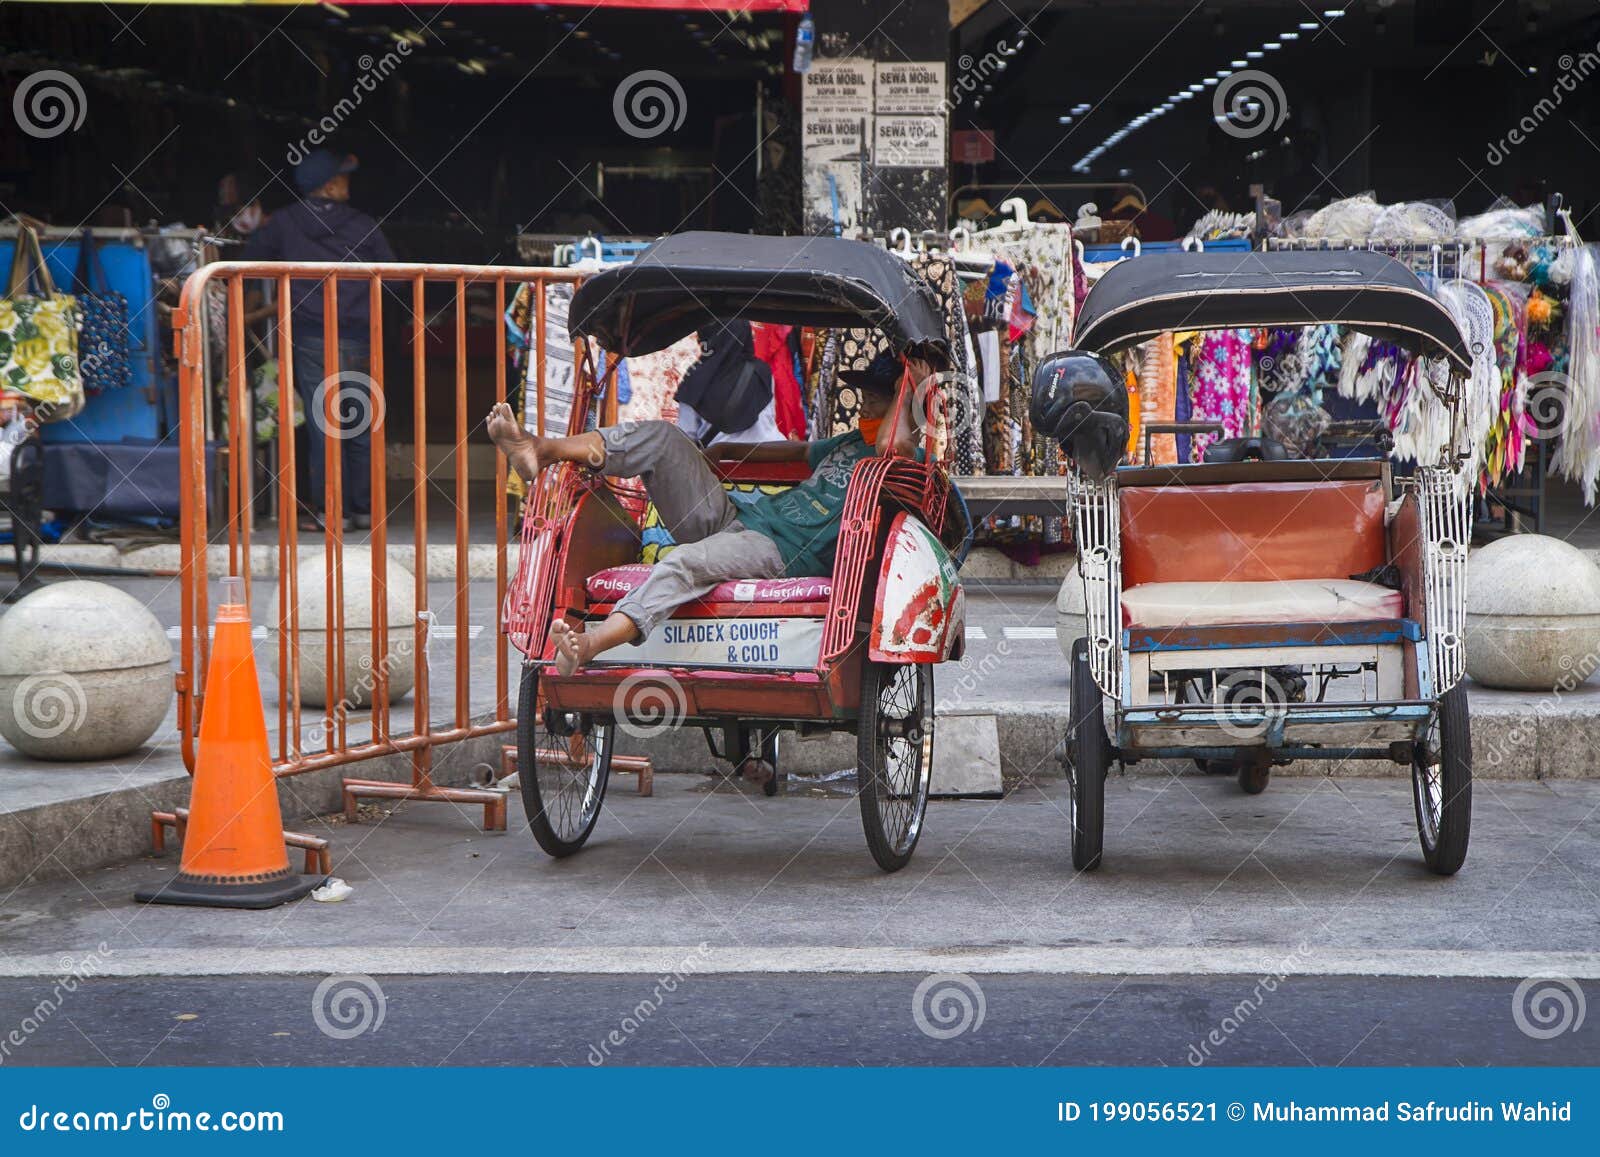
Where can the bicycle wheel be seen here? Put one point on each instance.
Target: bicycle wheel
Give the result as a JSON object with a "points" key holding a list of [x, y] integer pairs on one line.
{"points": [[1441, 783], [563, 772], [894, 757]]}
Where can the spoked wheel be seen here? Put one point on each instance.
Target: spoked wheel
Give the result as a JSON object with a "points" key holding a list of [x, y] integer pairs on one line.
{"points": [[564, 763], [1090, 749], [894, 757], [1441, 783]]}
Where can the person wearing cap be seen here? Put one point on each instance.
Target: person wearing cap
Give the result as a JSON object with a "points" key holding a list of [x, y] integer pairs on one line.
{"points": [[322, 225], [790, 534]]}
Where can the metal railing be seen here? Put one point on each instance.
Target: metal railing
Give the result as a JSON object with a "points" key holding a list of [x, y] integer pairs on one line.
{"points": [[333, 741]]}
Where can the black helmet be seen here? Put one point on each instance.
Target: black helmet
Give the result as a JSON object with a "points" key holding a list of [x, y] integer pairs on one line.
{"points": [[1079, 399]]}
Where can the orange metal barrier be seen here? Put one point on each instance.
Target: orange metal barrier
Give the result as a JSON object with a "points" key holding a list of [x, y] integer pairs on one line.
{"points": [[337, 747]]}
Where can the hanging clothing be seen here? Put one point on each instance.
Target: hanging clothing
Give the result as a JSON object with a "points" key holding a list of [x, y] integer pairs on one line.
{"points": [[1222, 385], [775, 346], [655, 378]]}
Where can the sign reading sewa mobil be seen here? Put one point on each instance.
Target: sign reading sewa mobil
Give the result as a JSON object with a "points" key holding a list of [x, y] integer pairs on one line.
{"points": [[768, 644]]}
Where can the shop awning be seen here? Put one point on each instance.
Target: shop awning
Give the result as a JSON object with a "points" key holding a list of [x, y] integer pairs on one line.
{"points": [[1165, 293]]}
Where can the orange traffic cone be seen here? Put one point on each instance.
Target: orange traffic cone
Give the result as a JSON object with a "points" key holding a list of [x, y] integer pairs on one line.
{"points": [[233, 850]]}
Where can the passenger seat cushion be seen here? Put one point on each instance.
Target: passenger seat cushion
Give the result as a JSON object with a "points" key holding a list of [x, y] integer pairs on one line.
{"points": [[608, 586], [1251, 531], [1207, 604]]}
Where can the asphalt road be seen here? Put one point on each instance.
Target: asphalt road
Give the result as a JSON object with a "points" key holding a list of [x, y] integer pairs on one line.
{"points": [[825, 1019]]}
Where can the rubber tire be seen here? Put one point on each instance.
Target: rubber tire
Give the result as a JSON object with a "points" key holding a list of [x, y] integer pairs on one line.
{"points": [[1447, 850], [1090, 749], [1253, 777], [528, 772], [869, 769]]}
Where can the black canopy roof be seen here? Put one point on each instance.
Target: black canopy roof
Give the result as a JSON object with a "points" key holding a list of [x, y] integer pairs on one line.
{"points": [[684, 281], [1370, 292]]}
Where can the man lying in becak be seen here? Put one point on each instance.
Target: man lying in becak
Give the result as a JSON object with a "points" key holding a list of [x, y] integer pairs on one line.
{"points": [[790, 534]]}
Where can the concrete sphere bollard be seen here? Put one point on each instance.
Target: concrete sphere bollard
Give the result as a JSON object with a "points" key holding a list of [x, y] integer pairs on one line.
{"points": [[1071, 621], [1533, 614], [360, 678], [85, 672]]}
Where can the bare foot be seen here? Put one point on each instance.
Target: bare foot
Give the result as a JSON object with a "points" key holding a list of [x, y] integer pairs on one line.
{"points": [[520, 447], [571, 647]]}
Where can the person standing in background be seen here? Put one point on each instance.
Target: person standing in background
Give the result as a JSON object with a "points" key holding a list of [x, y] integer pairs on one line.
{"points": [[323, 226]]}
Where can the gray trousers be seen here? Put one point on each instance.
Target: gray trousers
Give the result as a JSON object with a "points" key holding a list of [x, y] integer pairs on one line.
{"points": [[713, 545]]}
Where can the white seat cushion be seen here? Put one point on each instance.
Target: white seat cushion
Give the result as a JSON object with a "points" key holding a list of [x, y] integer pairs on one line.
{"points": [[1210, 604]]}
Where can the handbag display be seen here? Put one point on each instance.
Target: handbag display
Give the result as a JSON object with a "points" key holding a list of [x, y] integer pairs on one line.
{"points": [[39, 335], [104, 338]]}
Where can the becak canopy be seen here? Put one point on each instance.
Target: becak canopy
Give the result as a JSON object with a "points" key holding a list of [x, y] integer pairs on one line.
{"points": [[1371, 292], [687, 281]]}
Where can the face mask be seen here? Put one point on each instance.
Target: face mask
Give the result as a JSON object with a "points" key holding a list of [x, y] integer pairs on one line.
{"points": [[869, 429]]}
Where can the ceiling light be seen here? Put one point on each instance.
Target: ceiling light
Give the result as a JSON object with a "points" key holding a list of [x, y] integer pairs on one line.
{"points": [[1209, 81], [1272, 46], [1063, 120], [1289, 36], [1238, 64], [1309, 25], [1333, 13], [1255, 55]]}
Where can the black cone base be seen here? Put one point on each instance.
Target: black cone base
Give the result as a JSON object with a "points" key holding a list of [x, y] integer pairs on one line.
{"points": [[202, 894]]}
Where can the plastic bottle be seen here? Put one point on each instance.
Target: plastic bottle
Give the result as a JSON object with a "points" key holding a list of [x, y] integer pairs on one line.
{"points": [[805, 35]]}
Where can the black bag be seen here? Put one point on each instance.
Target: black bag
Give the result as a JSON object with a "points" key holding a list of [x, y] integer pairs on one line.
{"points": [[729, 386], [104, 341]]}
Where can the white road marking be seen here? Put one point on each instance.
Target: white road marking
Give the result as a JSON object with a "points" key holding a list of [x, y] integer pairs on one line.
{"points": [[976, 632], [176, 633], [1108, 960], [443, 631], [1028, 633]]}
